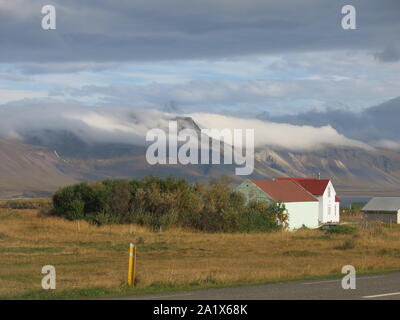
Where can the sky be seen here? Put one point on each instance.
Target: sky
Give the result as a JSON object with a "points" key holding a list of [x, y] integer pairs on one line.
{"points": [[262, 59]]}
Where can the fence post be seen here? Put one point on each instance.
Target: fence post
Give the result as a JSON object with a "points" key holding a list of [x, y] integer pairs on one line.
{"points": [[132, 265]]}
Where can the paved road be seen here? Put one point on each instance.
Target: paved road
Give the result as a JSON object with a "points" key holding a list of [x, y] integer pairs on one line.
{"points": [[385, 286]]}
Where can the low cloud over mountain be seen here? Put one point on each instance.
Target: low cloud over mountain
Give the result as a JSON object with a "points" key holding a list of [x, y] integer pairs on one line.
{"points": [[84, 143], [129, 126], [377, 126]]}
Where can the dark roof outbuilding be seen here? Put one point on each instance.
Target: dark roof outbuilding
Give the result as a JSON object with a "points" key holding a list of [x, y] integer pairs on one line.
{"points": [[384, 204]]}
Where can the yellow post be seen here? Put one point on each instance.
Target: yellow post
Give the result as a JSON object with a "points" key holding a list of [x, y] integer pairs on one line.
{"points": [[132, 265]]}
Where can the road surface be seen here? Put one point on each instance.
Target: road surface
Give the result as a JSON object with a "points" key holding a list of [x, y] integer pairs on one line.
{"points": [[383, 286]]}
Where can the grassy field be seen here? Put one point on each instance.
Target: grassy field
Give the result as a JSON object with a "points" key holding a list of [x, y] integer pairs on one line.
{"points": [[92, 261]]}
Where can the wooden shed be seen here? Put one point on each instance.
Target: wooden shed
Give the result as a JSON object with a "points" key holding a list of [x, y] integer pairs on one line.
{"points": [[384, 209]]}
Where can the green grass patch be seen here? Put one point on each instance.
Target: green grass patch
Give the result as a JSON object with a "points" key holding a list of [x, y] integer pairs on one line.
{"points": [[153, 246], [161, 287], [78, 263], [22, 204], [389, 252], [324, 237], [121, 247], [9, 215], [298, 253], [70, 294], [3, 236], [102, 246], [28, 250], [347, 245]]}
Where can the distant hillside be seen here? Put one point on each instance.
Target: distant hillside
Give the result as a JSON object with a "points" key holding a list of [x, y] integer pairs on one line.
{"points": [[26, 170], [354, 171]]}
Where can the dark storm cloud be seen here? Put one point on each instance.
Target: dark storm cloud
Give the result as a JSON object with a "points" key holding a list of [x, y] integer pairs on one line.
{"points": [[116, 31], [390, 54]]}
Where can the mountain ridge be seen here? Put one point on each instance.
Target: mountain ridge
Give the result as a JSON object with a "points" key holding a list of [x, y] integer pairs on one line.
{"points": [[33, 170], [46, 157]]}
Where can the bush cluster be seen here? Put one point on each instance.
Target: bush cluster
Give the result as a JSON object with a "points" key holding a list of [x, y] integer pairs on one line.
{"points": [[24, 204], [161, 203]]}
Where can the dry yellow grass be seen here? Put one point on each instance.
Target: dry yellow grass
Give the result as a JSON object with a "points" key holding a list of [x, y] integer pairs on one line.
{"points": [[96, 257], [353, 217]]}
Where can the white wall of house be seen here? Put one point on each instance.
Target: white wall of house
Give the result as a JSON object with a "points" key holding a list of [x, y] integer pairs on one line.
{"points": [[302, 213], [328, 207], [337, 206], [320, 208]]}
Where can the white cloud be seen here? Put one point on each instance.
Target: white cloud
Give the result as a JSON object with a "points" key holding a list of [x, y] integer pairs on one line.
{"points": [[387, 144], [19, 9], [292, 83], [102, 124], [289, 84], [279, 134], [13, 95]]}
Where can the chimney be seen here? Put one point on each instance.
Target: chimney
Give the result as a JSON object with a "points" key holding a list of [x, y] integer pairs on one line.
{"points": [[319, 175]]}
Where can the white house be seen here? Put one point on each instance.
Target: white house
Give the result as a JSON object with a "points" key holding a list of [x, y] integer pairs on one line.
{"points": [[323, 190], [301, 206]]}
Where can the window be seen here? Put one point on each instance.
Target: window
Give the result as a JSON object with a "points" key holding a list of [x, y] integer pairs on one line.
{"points": [[329, 192]]}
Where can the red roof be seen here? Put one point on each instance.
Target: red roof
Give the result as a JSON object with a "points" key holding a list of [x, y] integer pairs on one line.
{"points": [[337, 199], [315, 186], [285, 191]]}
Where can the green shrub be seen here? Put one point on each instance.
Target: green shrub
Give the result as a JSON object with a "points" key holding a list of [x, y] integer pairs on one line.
{"points": [[342, 229], [161, 203], [259, 217]]}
